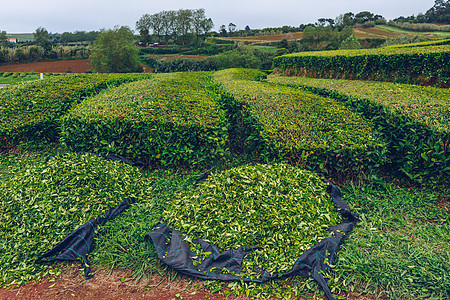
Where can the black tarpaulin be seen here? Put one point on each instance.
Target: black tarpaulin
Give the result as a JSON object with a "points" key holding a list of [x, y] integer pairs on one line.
{"points": [[80, 242]]}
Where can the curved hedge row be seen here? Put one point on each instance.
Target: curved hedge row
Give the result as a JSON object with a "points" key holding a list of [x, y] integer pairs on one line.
{"points": [[415, 121], [292, 125], [30, 112], [171, 119], [413, 65]]}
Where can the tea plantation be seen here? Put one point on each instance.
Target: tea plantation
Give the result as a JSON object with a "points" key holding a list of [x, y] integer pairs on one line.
{"points": [[239, 162]]}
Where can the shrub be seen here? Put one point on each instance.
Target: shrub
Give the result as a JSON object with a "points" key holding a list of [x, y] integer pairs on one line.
{"points": [[417, 65], [171, 119], [275, 122], [30, 112], [415, 121]]}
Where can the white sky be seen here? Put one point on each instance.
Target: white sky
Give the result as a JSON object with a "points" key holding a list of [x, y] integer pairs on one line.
{"points": [[24, 16]]}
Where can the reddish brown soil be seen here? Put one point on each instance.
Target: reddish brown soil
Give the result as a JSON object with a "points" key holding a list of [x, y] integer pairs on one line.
{"points": [[105, 285], [60, 66], [119, 285]]}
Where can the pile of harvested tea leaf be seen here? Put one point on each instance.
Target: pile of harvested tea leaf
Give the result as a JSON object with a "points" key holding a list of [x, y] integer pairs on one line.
{"points": [[279, 208], [43, 203]]}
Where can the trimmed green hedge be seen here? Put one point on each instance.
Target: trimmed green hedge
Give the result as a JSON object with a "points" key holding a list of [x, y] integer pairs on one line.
{"points": [[414, 65], [414, 119], [30, 112], [171, 119], [276, 122]]}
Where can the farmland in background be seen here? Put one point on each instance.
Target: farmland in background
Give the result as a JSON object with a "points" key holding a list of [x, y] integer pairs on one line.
{"points": [[377, 32]]}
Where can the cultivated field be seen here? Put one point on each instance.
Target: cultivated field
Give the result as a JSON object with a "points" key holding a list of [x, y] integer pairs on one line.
{"points": [[215, 155]]}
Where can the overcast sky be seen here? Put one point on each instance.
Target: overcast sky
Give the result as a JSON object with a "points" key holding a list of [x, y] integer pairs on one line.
{"points": [[57, 16]]}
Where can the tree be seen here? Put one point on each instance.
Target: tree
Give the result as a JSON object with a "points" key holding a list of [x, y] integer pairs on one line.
{"points": [[350, 43], [168, 20], [198, 17], [3, 37], [183, 24], [143, 27], [439, 13], [114, 52], [42, 38], [231, 28], [207, 25], [223, 30]]}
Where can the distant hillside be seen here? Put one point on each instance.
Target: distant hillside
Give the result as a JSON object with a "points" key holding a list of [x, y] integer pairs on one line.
{"points": [[377, 32]]}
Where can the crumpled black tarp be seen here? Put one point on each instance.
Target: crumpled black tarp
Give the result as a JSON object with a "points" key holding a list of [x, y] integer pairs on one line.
{"points": [[81, 241], [175, 252]]}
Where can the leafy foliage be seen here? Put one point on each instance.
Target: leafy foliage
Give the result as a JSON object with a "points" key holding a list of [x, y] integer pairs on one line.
{"points": [[418, 65], [172, 119], [284, 123], [415, 121], [281, 209], [114, 52], [44, 202], [30, 112]]}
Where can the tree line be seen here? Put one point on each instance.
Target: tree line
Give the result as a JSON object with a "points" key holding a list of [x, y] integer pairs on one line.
{"points": [[184, 26], [439, 13]]}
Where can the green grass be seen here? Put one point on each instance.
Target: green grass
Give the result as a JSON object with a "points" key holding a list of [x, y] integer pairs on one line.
{"points": [[121, 242], [18, 77], [400, 246], [399, 30]]}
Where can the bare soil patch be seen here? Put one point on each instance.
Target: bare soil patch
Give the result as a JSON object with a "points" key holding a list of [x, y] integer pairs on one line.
{"points": [[60, 66], [116, 284]]}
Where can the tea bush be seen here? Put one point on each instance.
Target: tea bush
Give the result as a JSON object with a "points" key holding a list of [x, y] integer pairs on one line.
{"points": [[30, 112], [172, 119], [429, 65], [414, 119], [305, 129]]}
